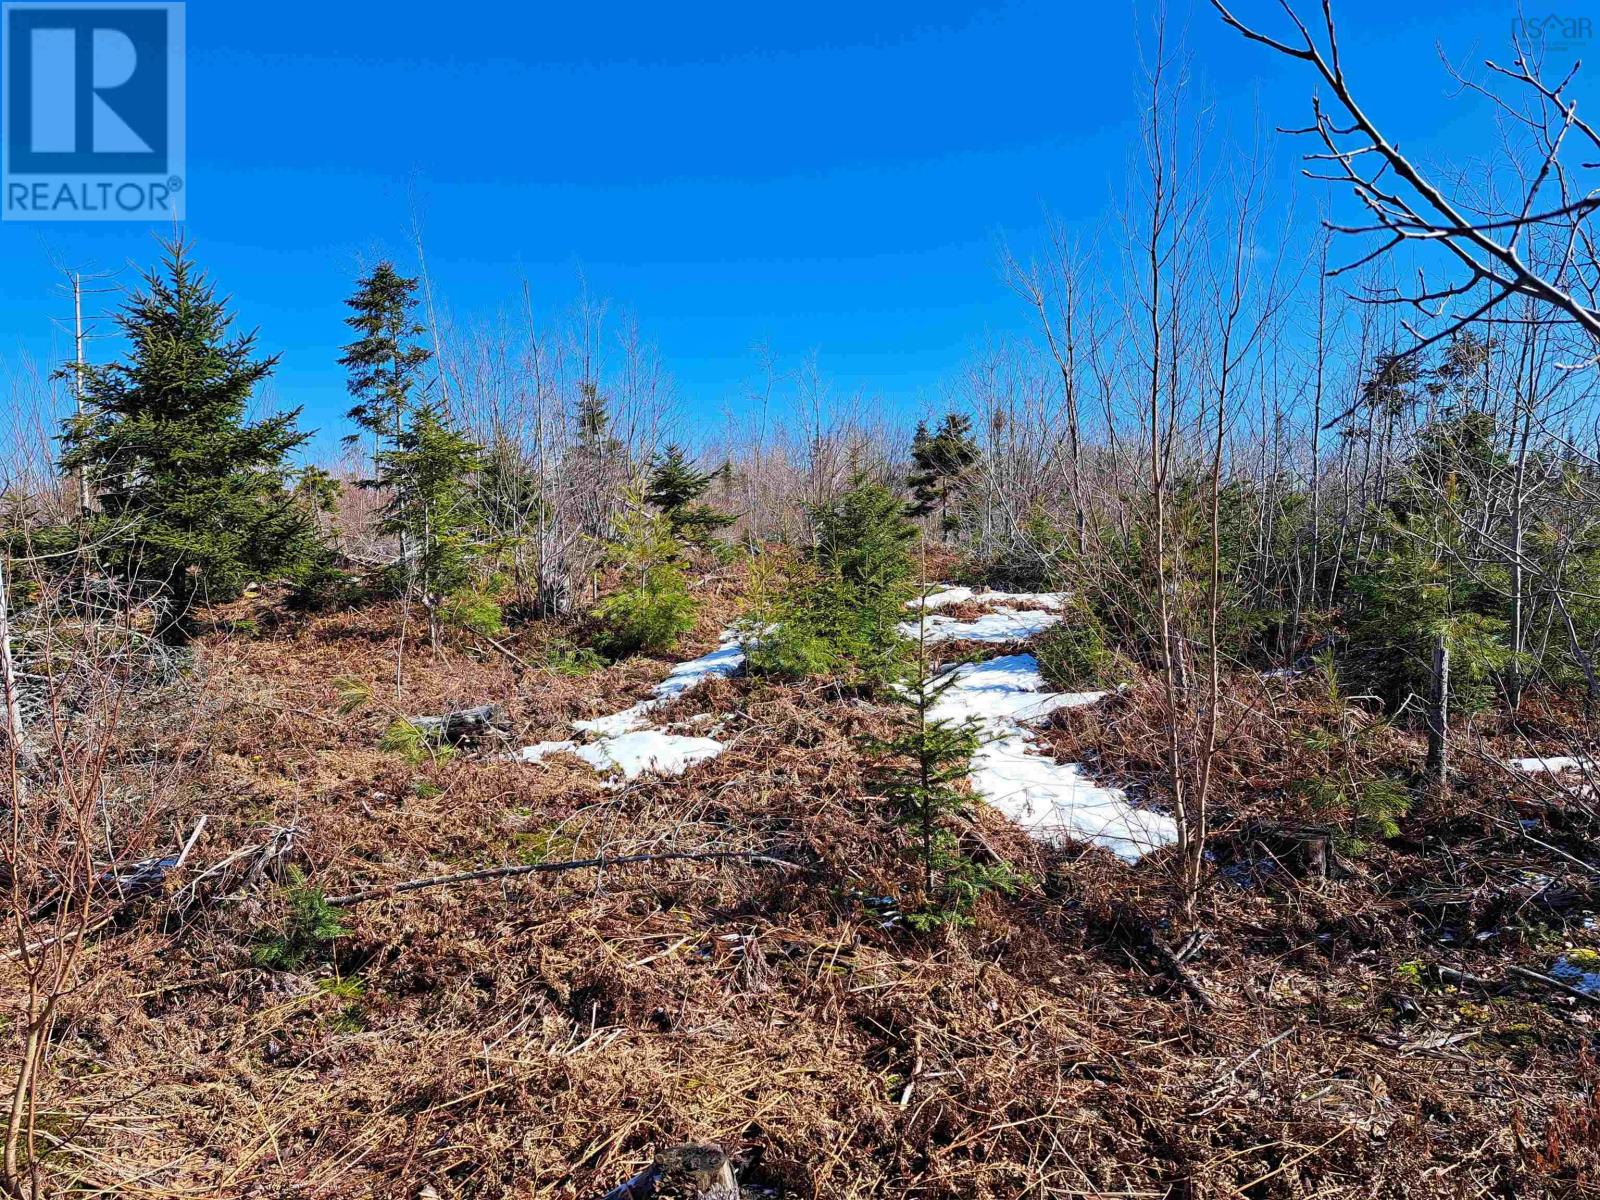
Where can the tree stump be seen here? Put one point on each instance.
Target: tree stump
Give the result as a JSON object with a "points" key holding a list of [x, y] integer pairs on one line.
{"points": [[692, 1172]]}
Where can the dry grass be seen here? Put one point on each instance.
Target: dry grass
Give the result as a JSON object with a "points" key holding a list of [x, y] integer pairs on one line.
{"points": [[538, 1037]]}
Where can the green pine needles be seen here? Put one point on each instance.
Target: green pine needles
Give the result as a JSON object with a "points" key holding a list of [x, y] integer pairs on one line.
{"points": [[421, 460], [384, 361], [837, 611], [309, 928], [193, 501], [675, 487], [654, 608], [1075, 653], [427, 472], [942, 463], [920, 776]]}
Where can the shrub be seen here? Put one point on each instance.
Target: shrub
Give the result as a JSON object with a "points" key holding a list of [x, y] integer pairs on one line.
{"points": [[474, 611], [838, 611], [920, 775], [655, 609], [790, 649], [1362, 811], [564, 658], [1073, 655], [1035, 557], [323, 587], [414, 744], [650, 617]]}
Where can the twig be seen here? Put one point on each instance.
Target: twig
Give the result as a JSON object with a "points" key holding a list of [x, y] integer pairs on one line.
{"points": [[183, 855], [506, 872], [1185, 977], [1553, 982]]}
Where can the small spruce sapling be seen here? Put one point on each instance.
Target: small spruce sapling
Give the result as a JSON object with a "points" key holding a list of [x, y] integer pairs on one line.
{"points": [[924, 766], [428, 472], [1360, 810], [675, 487], [309, 929], [839, 611], [654, 608]]}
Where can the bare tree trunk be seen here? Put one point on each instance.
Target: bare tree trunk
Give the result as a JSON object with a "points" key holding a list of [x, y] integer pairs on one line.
{"points": [[22, 756], [1439, 713]]}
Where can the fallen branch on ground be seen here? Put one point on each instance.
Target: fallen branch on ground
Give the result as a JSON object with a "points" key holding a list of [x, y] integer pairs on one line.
{"points": [[507, 872]]}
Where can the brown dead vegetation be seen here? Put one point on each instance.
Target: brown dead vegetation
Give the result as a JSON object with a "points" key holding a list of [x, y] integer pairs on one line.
{"points": [[541, 1036]]}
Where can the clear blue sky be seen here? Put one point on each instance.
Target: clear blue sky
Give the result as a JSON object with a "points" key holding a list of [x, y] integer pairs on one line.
{"points": [[822, 177]]}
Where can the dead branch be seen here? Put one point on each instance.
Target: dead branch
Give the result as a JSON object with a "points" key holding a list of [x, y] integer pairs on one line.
{"points": [[511, 871]]}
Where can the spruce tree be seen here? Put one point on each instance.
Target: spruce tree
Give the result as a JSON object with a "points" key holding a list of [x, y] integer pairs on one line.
{"points": [[597, 470], [384, 361], [920, 774], [654, 608], [940, 463], [428, 473], [193, 500], [864, 539], [675, 487], [840, 611]]}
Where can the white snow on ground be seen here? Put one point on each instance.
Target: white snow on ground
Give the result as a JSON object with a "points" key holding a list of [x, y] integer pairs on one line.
{"points": [[961, 595], [627, 721], [1003, 689], [1559, 763], [542, 750], [648, 750], [1002, 625], [1050, 800], [626, 741]]}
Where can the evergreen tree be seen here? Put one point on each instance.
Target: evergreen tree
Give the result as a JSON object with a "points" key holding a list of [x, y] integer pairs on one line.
{"points": [[863, 539], [594, 422], [839, 612], [428, 472], [384, 360], [920, 773], [940, 463], [654, 608], [193, 499], [675, 487], [597, 470]]}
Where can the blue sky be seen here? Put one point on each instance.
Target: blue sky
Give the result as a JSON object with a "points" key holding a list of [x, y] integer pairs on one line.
{"points": [[823, 178]]}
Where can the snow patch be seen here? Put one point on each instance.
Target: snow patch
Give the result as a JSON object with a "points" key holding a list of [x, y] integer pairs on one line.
{"points": [[648, 750], [1563, 762], [1052, 801], [542, 750], [627, 742], [627, 721], [1002, 625], [722, 663], [945, 597]]}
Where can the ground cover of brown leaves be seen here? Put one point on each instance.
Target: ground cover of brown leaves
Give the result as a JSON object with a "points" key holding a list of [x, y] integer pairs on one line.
{"points": [[541, 1036]]}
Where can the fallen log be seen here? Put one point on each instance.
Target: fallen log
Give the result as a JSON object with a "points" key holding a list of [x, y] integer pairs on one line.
{"points": [[466, 726], [693, 1172]]}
